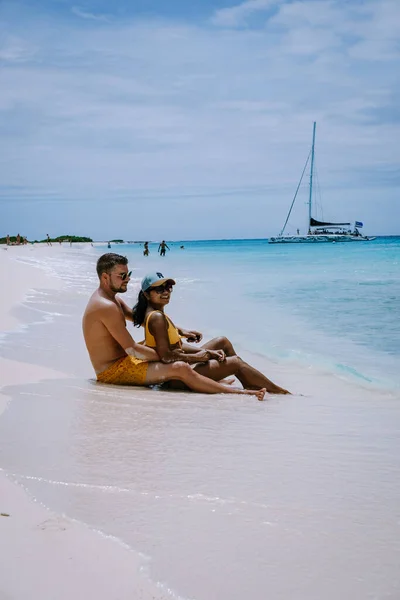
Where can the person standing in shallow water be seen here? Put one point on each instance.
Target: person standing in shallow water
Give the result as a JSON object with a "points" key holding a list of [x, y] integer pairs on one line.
{"points": [[162, 247], [165, 337], [116, 357], [146, 249]]}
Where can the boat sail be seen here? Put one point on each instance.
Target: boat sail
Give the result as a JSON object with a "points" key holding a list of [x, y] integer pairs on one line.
{"points": [[319, 231]]}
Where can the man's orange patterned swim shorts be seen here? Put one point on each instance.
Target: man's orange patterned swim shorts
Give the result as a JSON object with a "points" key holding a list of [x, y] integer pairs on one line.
{"points": [[127, 370]]}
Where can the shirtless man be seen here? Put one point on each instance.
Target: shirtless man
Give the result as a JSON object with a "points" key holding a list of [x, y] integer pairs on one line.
{"points": [[162, 247], [116, 357]]}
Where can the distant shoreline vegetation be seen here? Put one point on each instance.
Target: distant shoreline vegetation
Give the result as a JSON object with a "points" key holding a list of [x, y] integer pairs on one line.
{"points": [[69, 238], [60, 238]]}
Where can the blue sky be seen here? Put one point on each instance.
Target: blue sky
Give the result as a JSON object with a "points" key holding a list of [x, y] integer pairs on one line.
{"points": [[188, 120]]}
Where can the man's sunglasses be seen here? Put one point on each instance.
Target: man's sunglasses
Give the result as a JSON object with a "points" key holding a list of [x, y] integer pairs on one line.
{"points": [[125, 275], [165, 287]]}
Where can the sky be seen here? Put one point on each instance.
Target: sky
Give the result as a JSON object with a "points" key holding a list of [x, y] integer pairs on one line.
{"points": [[149, 119]]}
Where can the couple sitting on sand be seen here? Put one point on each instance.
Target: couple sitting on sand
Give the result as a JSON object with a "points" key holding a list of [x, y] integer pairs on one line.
{"points": [[163, 357]]}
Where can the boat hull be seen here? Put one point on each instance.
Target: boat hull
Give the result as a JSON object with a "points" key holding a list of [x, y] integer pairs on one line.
{"points": [[318, 239]]}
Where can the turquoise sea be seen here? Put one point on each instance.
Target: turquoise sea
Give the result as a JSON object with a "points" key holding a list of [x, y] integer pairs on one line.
{"points": [[332, 305], [225, 498]]}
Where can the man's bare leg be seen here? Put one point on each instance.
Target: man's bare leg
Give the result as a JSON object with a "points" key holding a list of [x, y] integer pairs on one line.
{"points": [[158, 372], [248, 376], [175, 384]]}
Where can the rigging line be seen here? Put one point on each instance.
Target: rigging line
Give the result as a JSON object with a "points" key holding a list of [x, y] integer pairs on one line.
{"points": [[295, 196], [318, 195], [315, 190]]}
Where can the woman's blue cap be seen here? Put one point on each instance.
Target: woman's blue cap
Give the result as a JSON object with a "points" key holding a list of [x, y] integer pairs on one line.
{"points": [[154, 279]]}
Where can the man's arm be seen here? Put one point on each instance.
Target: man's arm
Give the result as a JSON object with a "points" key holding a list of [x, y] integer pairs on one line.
{"points": [[159, 329], [126, 309], [113, 320]]}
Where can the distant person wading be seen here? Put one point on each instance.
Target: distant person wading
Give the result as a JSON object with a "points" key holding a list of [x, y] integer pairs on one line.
{"points": [[162, 247]]}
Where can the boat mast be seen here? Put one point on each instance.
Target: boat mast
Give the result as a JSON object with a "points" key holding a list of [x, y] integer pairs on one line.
{"points": [[311, 174]]}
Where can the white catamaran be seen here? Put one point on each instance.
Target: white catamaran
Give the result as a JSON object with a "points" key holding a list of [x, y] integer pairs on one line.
{"points": [[319, 231]]}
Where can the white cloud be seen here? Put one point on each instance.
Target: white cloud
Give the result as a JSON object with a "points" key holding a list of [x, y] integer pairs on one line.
{"points": [[15, 49], [88, 15], [235, 16]]}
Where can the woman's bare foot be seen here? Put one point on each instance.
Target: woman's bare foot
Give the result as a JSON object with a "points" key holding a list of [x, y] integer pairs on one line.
{"points": [[258, 393]]}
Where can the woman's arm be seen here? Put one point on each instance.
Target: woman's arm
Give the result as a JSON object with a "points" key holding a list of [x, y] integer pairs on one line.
{"points": [[189, 349], [158, 327], [190, 334]]}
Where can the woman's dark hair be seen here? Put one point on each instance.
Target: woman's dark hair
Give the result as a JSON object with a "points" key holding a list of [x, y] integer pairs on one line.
{"points": [[108, 261], [139, 310]]}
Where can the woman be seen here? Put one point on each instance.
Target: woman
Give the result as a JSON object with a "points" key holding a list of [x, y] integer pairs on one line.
{"points": [[215, 360]]}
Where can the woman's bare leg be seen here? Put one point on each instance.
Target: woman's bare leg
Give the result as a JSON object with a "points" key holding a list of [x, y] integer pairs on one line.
{"points": [[248, 376], [158, 372], [221, 343]]}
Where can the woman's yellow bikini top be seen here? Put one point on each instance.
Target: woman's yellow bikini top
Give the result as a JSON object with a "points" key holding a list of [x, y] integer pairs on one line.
{"points": [[173, 334]]}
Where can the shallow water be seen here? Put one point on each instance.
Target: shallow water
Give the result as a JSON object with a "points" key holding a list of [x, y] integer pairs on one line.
{"points": [[295, 498]]}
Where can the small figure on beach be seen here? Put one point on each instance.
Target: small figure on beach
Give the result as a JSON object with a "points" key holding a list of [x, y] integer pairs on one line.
{"points": [[18, 239], [146, 249], [161, 334], [108, 245], [48, 241], [116, 357], [8, 241], [162, 247]]}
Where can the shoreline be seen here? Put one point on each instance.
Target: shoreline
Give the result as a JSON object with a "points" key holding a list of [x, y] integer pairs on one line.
{"points": [[45, 555]]}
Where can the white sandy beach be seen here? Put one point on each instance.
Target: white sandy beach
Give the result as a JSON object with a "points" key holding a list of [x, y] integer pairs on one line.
{"points": [[43, 555]]}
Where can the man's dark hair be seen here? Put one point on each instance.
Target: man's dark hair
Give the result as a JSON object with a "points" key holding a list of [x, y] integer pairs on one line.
{"points": [[108, 261]]}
